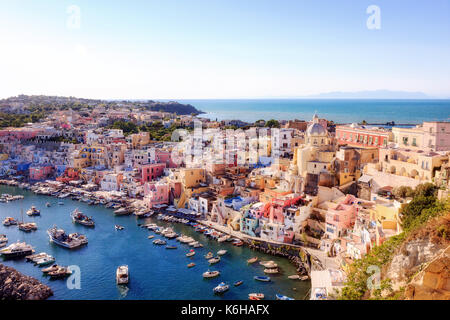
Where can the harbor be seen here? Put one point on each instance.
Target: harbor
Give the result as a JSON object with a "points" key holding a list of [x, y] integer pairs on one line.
{"points": [[154, 272]]}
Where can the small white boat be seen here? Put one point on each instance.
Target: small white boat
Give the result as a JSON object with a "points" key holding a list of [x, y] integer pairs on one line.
{"points": [[272, 270], [256, 295], [209, 255], [122, 275], [252, 260], [190, 253], [221, 288], [214, 260], [221, 252], [294, 277], [211, 274]]}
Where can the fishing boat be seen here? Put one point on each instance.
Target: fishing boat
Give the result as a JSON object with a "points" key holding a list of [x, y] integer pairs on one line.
{"points": [[282, 297], [190, 253], [256, 295], [190, 265], [221, 288], [150, 236], [48, 204], [54, 267], [3, 240], [18, 249], [222, 252], [238, 243], [238, 283], [214, 260], [262, 278], [122, 276], [33, 211], [159, 242], [252, 260], [45, 261], [118, 227], [9, 221], [122, 211], [70, 241], [27, 226], [171, 247], [61, 272], [211, 274], [80, 218], [271, 270], [209, 255]]}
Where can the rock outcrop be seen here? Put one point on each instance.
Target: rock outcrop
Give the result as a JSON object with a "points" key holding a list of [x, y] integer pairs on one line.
{"points": [[16, 286]]}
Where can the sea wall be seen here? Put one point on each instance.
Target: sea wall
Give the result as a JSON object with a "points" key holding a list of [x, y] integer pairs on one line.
{"points": [[17, 286]]}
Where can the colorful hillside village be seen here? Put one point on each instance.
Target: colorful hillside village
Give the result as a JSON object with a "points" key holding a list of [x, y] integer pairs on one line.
{"points": [[327, 188]]}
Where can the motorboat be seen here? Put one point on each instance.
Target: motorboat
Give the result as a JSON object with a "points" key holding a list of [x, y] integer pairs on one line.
{"points": [[18, 249], [122, 211], [262, 278], [3, 240], [122, 276], [268, 264], [223, 238], [118, 227], [221, 252], [33, 211], [151, 236], [252, 260], [70, 241], [9, 221], [211, 274], [256, 295], [80, 218], [45, 261], [209, 255], [214, 260], [159, 242], [238, 283], [54, 267], [27, 226], [171, 247], [61, 272], [190, 265], [238, 243], [271, 270], [190, 253], [282, 297], [221, 288], [294, 277]]}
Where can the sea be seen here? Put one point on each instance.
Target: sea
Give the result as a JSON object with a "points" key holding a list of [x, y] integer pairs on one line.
{"points": [[156, 273], [338, 110]]}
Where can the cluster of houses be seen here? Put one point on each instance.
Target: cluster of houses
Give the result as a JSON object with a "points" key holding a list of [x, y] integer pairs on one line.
{"points": [[301, 184]]}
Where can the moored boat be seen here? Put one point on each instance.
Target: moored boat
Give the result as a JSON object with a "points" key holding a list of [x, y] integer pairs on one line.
{"points": [[118, 227], [222, 252], [9, 221], [190, 265], [33, 211], [214, 260], [271, 270], [190, 253], [211, 274], [27, 226], [80, 218], [262, 278], [209, 255], [252, 260], [221, 288], [171, 247], [238, 283], [256, 295], [59, 273], [282, 297], [70, 241], [18, 249], [122, 276]]}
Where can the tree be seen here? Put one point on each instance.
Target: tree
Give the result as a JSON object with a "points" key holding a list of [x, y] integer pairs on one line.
{"points": [[272, 123]]}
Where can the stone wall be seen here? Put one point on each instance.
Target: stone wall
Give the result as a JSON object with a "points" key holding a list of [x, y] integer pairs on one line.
{"points": [[16, 286]]}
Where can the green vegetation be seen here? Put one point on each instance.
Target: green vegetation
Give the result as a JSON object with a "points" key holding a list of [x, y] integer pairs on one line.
{"points": [[415, 214], [19, 120], [156, 129], [272, 123]]}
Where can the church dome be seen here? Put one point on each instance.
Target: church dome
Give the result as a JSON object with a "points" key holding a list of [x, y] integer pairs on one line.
{"points": [[316, 129]]}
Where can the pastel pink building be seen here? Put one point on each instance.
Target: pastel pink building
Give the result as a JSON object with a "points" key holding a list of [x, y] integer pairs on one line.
{"points": [[150, 172], [342, 217], [40, 172], [18, 134], [163, 156], [156, 193], [437, 135]]}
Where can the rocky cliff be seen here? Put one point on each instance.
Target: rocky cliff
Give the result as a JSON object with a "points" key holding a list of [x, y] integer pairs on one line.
{"points": [[422, 264], [16, 286]]}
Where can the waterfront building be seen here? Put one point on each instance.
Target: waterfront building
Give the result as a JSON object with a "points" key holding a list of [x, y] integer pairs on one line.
{"points": [[430, 136], [363, 136]]}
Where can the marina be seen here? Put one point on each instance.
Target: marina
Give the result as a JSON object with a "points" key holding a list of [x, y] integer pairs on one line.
{"points": [[106, 249]]}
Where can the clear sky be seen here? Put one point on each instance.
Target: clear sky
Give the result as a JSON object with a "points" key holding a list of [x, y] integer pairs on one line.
{"points": [[175, 49]]}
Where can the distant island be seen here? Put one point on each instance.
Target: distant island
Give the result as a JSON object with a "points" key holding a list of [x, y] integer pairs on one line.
{"points": [[375, 94]]}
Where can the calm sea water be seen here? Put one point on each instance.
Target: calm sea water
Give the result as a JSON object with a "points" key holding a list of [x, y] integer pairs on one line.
{"points": [[338, 110], [155, 272]]}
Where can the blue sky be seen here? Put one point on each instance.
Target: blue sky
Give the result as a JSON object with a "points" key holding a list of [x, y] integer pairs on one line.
{"points": [[223, 49]]}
